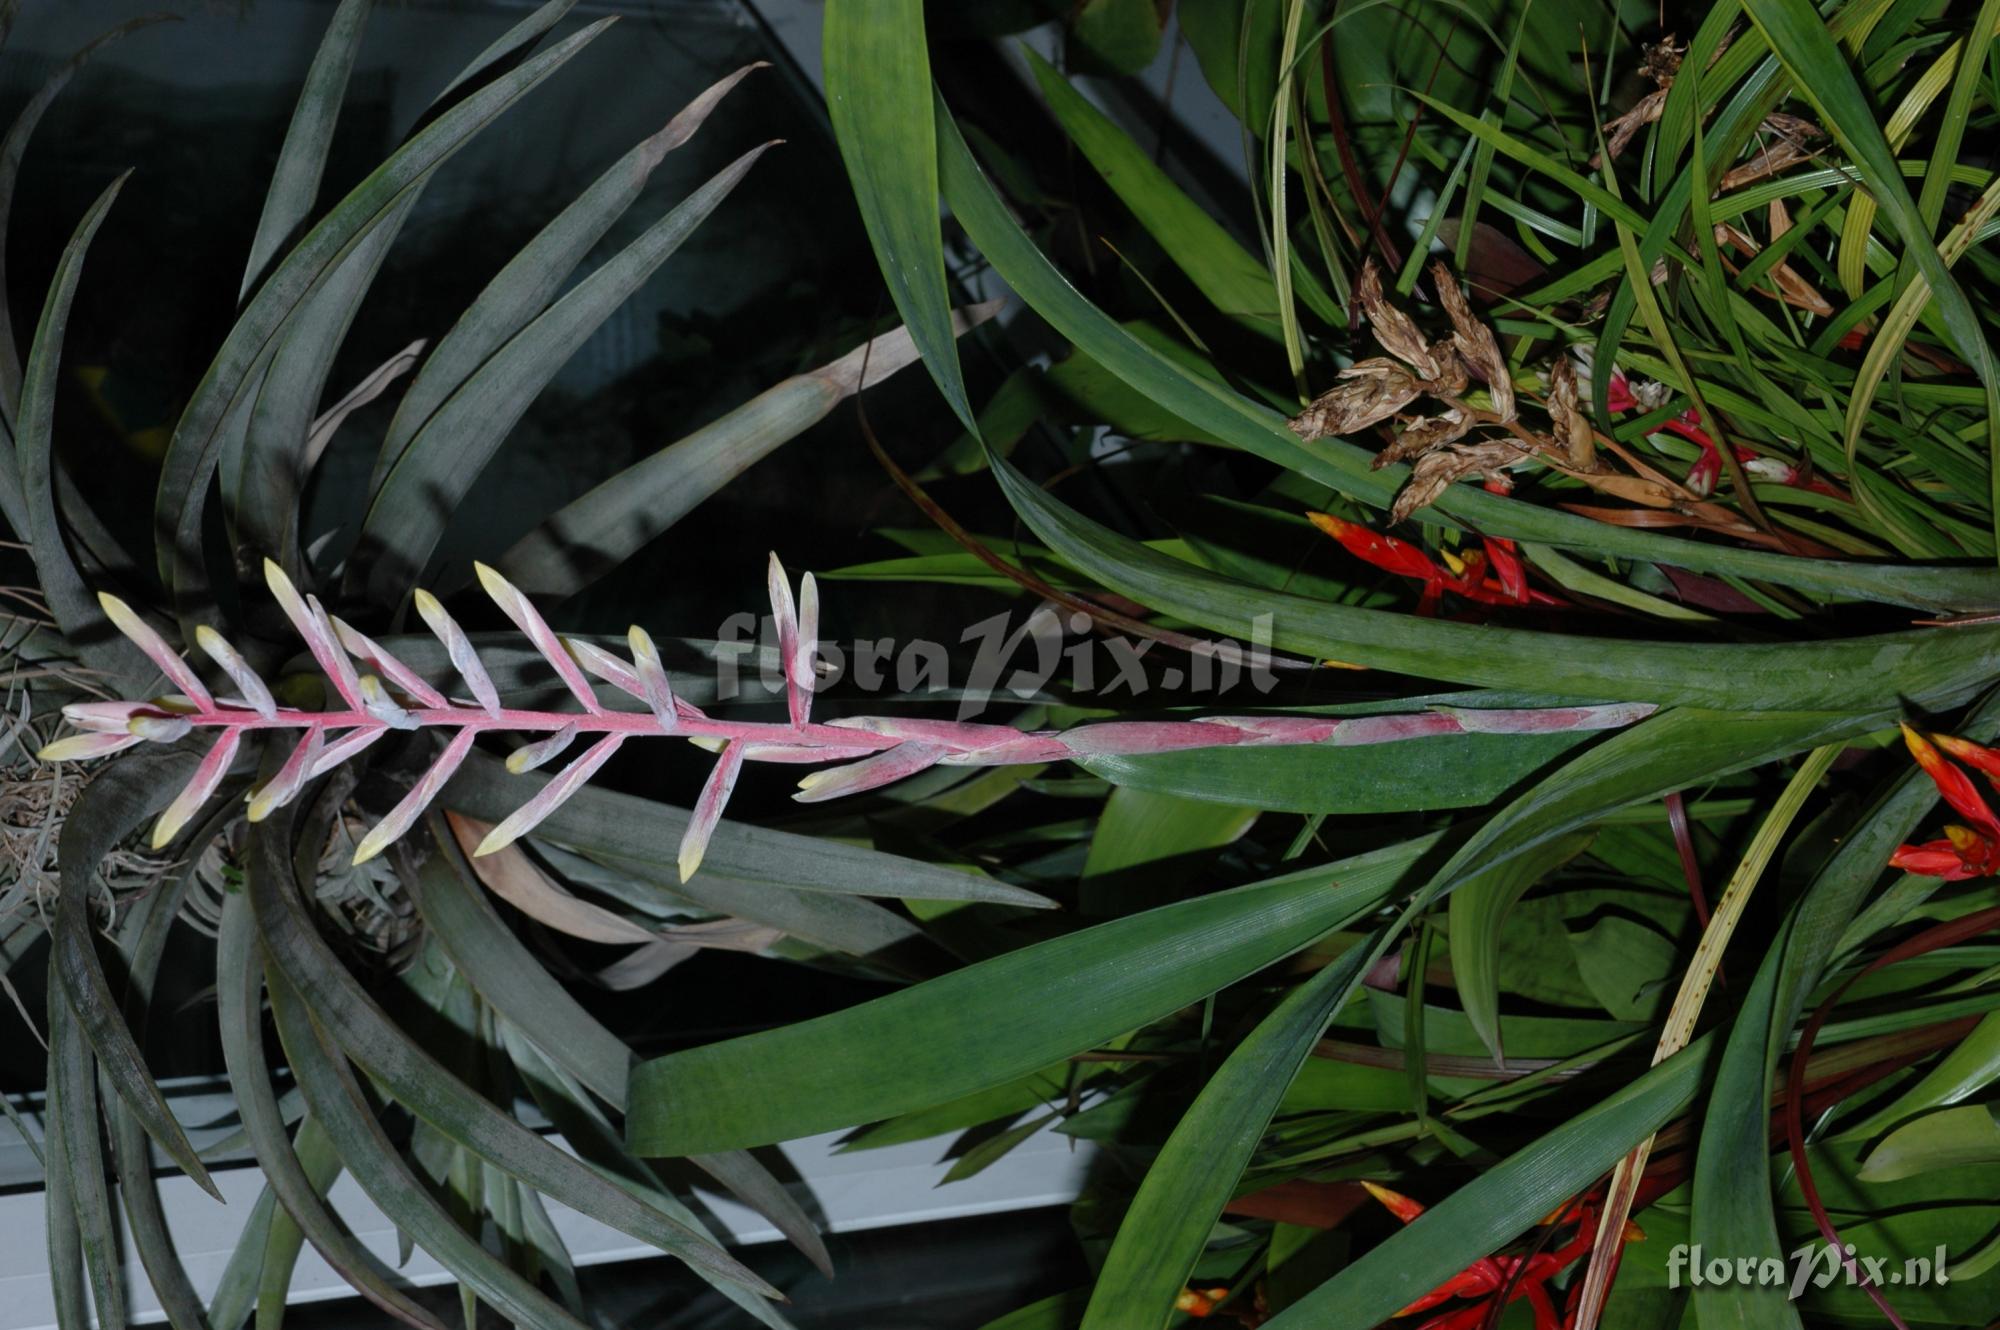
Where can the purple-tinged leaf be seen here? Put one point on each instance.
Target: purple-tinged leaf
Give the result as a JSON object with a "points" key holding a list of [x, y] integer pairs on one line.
{"points": [[219, 650], [654, 688], [528, 619], [142, 636], [346, 746], [365, 650], [206, 777], [800, 677], [513, 876], [708, 809], [529, 756], [385, 833], [375, 700], [786, 616], [158, 728], [311, 626], [551, 796], [284, 787], [80, 747], [1549, 720], [458, 648], [103, 717], [905, 759]]}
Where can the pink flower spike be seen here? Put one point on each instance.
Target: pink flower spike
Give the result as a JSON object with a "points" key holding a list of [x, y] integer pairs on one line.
{"points": [[799, 673], [384, 833], [755, 750], [542, 751], [1278, 729], [332, 659], [103, 717], [346, 746], [786, 615], [551, 797], [206, 777], [238, 669], [528, 619], [160, 729], [395, 671], [708, 809], [1393, 729], [654, 687], [459, 649], [284, 787], [79, 747], [905, 759], [1119, 737], [606, 665], [312, 629], [1548, 720], [127, 621]]}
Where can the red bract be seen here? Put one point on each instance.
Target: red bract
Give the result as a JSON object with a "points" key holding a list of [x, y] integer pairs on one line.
{"points": [[1512, 1278], [1966, 851], [1465, 577]]}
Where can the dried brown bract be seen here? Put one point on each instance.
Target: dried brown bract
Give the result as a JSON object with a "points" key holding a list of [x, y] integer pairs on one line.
{"points": [[1369, 391], [1424, 434], [1790, 137], [1394, 329], [1566, 416], [1437, 469], [1475, 342], [1793, 289]]}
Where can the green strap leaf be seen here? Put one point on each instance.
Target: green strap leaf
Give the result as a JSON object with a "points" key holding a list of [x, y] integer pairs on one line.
{"points": [[362, 1030], [288, 1167], [1502, 1203], [435, 472], [969, 1030], [1195, 1174], [224, 392], [376, 1164], [73, 1076], [302, 160], [877, 74], [1218, 410], [76, 611], [117, 801]]}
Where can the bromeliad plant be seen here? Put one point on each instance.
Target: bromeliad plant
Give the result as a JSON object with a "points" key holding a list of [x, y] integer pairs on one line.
{"points": [[1719, 377]]}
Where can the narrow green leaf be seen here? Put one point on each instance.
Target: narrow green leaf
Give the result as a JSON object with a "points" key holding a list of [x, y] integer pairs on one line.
{"points": [[302, 160], [288, 1166], [427, 1088], [969, 1030], [1501, 1203], [76, 611], [71, 1072], [378, 1166], [877, 75], [1347, 468], [118, 800], [1199, 1168], [222, 397], [434, 473], [1476, 915]]}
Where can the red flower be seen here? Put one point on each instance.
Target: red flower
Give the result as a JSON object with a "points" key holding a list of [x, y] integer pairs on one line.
{"points": [[1965, 851], [1514, 1277]]}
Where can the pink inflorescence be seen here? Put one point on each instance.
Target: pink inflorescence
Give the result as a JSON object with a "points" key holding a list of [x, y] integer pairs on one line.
{"points": [[871, 750]]}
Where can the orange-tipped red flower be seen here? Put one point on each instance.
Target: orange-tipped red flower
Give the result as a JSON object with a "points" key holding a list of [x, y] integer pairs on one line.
{"points": [[1512, 1277], [1465, 576], [1965, 851]]}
